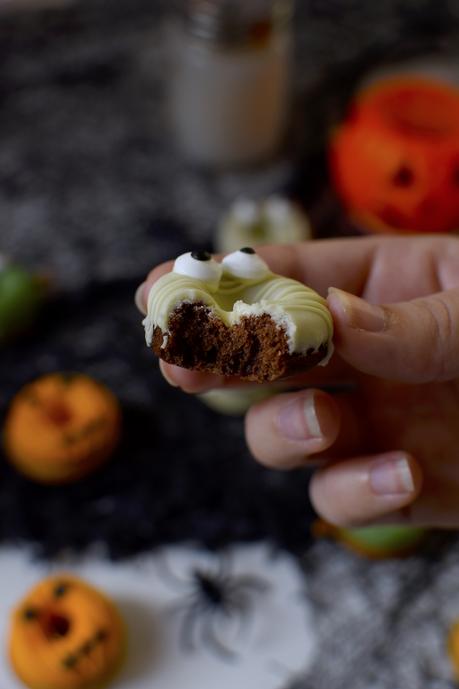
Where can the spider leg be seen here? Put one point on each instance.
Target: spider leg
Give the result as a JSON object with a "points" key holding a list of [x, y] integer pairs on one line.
{"points": [[187, 631], [249, 583], [211, 639], [239, 598], [191, 600], [238, 602], [168, 576]]}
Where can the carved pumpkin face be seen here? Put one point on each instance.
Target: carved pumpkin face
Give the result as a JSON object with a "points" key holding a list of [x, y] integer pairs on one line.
{"points": [[395, 159], [65, 635], [61, 427]]}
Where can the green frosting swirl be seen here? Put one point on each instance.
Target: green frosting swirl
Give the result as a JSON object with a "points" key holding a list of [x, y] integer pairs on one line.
{"points": [[298, 310]]}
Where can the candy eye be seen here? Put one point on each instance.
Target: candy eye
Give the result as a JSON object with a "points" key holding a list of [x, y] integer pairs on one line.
{"points": [[245, 264], [199, 265]]}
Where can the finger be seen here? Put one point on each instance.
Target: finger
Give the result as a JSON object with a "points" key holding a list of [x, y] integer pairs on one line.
{"points": [[415, 341], [437, 506], [291, 429], [193, 382], [413, 266], [362, 490], [333, 378]]}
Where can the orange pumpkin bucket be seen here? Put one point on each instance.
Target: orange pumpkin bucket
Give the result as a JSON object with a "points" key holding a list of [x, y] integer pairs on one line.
{"points": [[394, 161]]}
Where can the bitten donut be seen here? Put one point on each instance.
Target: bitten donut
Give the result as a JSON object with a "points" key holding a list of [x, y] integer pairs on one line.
{"points": [[65, 634], [236, 318], [61, 427]]}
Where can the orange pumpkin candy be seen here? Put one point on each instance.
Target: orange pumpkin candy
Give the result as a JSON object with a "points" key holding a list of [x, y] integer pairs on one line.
{"points": [[61, 427], [394, 160], [66, 635]]}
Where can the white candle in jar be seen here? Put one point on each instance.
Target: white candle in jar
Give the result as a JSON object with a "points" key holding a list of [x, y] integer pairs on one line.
{"points": [[231, 97]]}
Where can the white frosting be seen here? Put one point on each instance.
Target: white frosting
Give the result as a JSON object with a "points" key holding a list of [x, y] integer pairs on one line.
{"points": [[244, 265], [209, 271], [245, 211], [278, 210]]}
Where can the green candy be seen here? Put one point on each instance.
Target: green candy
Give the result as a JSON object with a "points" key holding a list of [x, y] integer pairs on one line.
{"points": [[236, 401], [21, 296], [383, 539]]}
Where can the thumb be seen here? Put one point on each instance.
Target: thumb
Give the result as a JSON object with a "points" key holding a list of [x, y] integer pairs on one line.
{"points": [[415, 341]]}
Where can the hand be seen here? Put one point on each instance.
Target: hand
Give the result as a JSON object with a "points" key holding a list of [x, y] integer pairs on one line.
{"points": [[387, 448]]}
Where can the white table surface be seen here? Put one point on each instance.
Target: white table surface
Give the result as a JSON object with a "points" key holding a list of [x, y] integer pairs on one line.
{"points": [[269, 645]]}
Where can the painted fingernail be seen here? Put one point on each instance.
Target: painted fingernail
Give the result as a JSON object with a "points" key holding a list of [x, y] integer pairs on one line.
{"points": [[305, 417], [391, 474], [138, 299], [355, 312], [165, 374]]}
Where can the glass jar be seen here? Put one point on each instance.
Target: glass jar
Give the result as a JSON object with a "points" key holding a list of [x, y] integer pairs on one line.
{"points": [[231, 92]]}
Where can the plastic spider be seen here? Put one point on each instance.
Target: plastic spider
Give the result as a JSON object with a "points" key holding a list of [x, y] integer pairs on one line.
{"points": [[212, 597]]}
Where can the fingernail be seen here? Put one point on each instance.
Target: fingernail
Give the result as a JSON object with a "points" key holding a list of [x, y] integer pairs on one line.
{"points": [[138, 298], [357, 313], [165, 374], [391, 475], [304, 417]]}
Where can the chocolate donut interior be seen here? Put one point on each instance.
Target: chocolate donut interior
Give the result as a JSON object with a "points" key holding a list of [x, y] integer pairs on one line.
{"points": [[255, 348]]}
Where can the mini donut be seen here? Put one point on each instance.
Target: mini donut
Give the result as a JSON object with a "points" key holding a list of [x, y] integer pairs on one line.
{"points": [[236, 318], [236, 401], [274, 220], [61, 427], [65, 634], [375, 542], [453, 648], [22, 295]]}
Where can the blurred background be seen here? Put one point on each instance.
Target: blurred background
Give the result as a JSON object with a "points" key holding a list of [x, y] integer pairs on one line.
{"points": [[135, 130]]}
